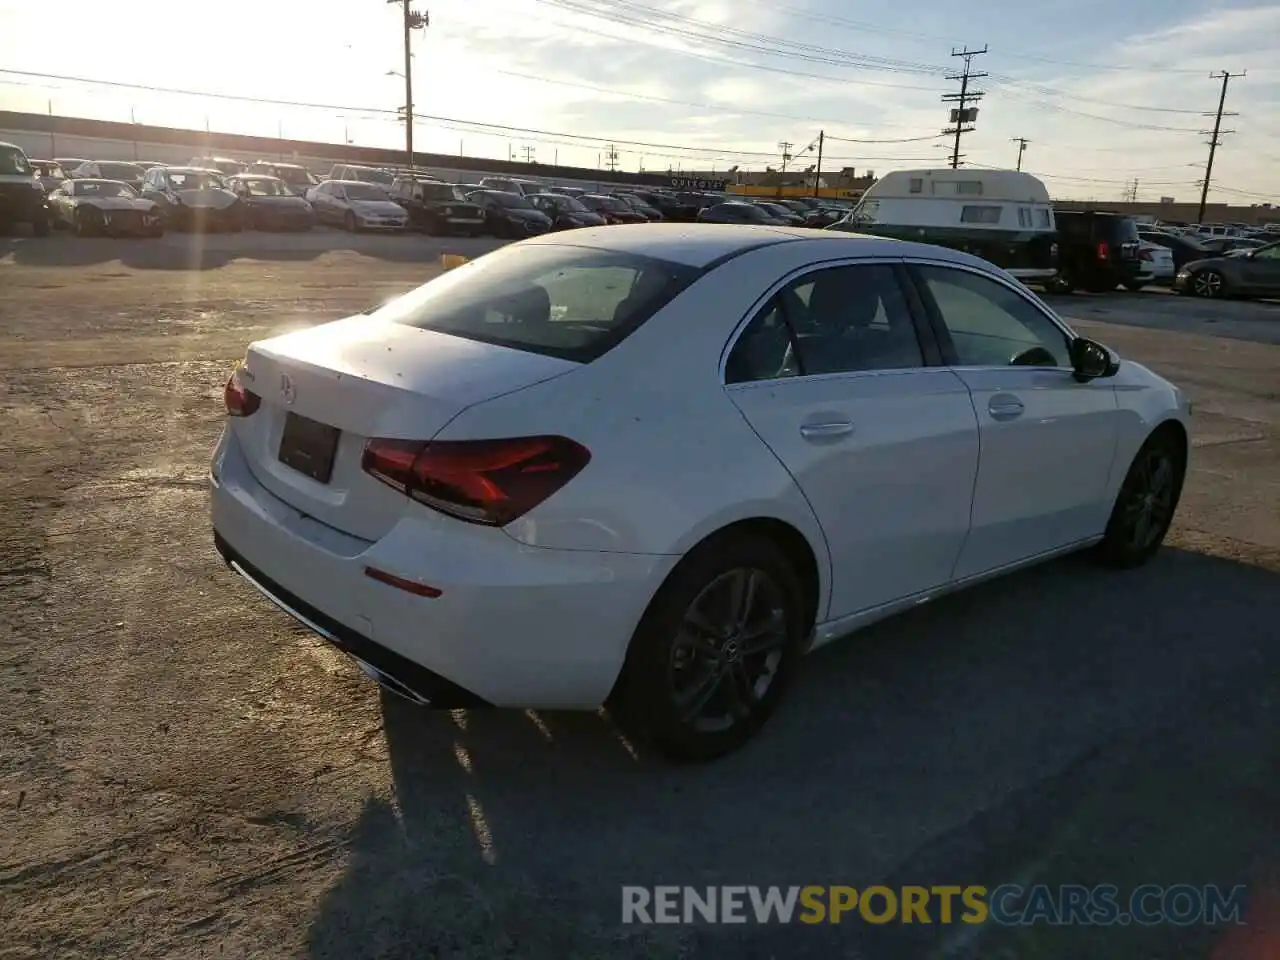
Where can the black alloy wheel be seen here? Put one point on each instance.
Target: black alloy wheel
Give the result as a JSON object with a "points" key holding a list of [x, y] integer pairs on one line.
{"points": [[1146, 504], [715, 650]]}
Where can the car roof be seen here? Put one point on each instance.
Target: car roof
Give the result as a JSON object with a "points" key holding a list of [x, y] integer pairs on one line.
{"points": [[355, 183], [701, 244], [185, 169], [84, 180]]}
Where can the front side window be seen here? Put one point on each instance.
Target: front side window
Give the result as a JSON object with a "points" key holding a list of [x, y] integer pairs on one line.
{"points": [[838, 320], [1271, 252], [570, 302], [990, 324]]}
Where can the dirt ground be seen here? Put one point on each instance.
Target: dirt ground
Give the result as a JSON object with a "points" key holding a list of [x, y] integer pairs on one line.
{"points": [[185, 773]]}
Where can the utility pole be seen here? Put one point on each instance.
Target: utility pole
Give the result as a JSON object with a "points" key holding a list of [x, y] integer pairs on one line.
{"points": [[528, 153], [817, 170], [611, 157], [962, 114], [412, 21], [1022, 148], [1131, 194], [1214, 142], [785, 147]]}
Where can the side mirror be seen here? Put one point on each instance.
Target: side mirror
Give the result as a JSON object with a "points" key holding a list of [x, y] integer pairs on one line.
{"points": [[1092, 360]]}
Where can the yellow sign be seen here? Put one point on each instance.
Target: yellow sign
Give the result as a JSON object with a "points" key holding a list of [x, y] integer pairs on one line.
{"points": [[450, 260]]}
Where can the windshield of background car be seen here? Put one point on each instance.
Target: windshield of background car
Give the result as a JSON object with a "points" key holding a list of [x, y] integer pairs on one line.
{"points": [[50, 170], [99, 188], [568, 205], [196, 181], [746, 211], [295, 175], [264, 187], [383, 177], [14, 162], [440, 191], [512, 201], [569, 302], [365, 191], [120, 171]]}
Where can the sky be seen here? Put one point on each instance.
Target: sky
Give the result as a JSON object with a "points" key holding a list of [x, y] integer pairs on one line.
{"points": [[1105, 93]]}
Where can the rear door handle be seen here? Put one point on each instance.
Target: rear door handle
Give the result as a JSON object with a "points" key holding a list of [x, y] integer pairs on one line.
{"points": [[818, 431], [1005, 407]]}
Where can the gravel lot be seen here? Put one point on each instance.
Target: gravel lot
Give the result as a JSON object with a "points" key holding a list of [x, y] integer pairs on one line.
{"points": [[185, 773]]}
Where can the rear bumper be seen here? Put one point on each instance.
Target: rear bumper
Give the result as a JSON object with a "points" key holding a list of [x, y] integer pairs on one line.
{"points": [[514, 626], [383, 664]]}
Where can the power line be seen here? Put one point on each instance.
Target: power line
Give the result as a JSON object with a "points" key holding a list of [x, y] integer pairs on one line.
{"points": [[1226, 76], [475, 126], [864, 26], [962, 114], [630, 95]]}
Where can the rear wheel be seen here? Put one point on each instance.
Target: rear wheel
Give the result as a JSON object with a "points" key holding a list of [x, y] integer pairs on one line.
{"points": [[349, 222], [1146, 503], [715, 650]]}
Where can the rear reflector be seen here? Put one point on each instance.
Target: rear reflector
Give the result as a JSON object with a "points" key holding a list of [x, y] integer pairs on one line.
{"points": [[409, 586], [1104, 252], [239, 399], [492, 482]]}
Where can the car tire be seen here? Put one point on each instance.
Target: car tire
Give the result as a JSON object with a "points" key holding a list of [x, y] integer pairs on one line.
{"points": [[1209, 284], [41, 226], [349, 223], [1146, 503], [88, 222], [669, 672], [1133, 286]]}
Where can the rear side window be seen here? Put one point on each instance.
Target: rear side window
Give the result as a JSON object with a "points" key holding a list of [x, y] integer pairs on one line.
{"points": [[575, 303], [975, 214]]}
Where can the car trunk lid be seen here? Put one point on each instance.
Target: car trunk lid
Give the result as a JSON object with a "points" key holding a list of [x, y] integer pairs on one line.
{"points": [[327, 390]]}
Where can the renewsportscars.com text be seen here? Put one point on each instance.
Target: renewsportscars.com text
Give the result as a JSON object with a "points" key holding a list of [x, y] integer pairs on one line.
{"points": [[1007, 905]]}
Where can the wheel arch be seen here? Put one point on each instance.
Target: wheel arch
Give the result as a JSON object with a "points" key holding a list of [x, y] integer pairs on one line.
{"points": [[787, 537]]}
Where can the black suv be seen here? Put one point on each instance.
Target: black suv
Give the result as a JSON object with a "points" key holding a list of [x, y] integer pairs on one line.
{"points": [[438, 208], [1097, 251]]}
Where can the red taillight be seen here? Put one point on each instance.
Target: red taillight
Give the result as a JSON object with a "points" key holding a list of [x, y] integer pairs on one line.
{"points": [[482, 481], [239, 399], [1144, 253], [1103, 252]]}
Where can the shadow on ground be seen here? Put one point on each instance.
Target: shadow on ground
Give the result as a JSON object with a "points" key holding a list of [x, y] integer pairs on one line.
{"points": [[1067, 724], [193, 251]]}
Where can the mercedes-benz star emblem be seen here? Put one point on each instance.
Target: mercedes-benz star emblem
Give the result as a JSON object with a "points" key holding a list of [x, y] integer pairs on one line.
{"points": [[287, 390]]}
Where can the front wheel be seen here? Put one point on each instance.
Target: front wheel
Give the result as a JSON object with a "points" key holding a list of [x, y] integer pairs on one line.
{"points": [[88, 222], [1146, 503], [1209, 283], [715, 650], [349, 222]]}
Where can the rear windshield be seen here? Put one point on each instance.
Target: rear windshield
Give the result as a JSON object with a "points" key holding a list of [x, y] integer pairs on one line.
{"points": [[1126, 230], [562, 301]]}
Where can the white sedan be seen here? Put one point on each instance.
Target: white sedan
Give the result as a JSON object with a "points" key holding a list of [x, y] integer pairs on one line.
{"points": [[651, 466]]}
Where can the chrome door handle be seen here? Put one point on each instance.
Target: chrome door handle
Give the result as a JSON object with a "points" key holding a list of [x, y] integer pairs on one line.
{"points": [[1005, 408], [835, 428]]}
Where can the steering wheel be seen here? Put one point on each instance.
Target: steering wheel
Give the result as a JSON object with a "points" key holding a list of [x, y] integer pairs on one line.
{"points": [[1036, 356]]}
